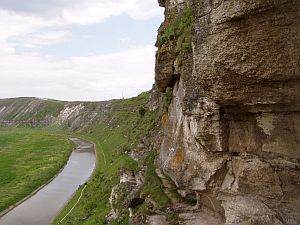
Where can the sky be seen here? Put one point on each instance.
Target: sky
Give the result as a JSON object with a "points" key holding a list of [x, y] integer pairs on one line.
{"points": [[86, 50]]}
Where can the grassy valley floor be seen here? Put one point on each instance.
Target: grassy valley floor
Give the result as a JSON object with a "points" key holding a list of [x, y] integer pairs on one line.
{"points": [[29, 158]]}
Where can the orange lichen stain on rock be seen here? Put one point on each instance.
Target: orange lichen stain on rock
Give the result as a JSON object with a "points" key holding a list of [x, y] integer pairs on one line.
{"points": [[178, 159], [164, 120]]}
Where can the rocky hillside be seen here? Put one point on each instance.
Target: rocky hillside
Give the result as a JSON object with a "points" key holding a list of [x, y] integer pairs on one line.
{"points": [[231, 134], [37, 112]]}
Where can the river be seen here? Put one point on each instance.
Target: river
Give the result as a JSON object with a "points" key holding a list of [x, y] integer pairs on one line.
{"points": [[42, 207]]}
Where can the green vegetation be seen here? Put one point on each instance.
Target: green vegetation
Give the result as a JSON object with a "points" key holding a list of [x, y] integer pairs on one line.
{"points": [[180, 30], [172, 218], [28, 159], [49, 107], [153, 189], [168, 95], [175, 194], [44, 109], [153, 185], [118, 132], [142, 111]]}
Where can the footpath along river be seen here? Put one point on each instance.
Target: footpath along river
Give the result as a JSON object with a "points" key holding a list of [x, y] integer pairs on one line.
{"points": [[42, 207]]}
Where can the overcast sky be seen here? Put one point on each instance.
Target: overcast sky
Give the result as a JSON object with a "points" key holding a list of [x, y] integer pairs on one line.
{"points": [[77, 49]]}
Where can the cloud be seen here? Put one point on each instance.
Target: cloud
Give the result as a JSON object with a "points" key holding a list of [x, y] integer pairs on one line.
{"points": [[15, 24], [35, 23], [26, 30], [6, 48], [21, 18], [34, 40], [96, 77], [33, 6], [145, 9], [82, 11]]}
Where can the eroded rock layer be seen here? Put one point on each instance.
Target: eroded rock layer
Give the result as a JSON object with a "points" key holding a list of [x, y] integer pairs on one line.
{"points": [[232, 130]]}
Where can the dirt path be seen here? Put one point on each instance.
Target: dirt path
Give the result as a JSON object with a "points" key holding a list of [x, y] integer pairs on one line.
{"points": [[73, 205]]}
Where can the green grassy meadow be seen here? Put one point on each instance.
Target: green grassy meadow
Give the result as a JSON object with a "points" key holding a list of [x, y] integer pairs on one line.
{"points": [[29, 158]]}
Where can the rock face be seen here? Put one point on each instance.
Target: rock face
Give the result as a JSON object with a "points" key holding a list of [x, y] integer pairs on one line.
{"points": [[232, 130]]}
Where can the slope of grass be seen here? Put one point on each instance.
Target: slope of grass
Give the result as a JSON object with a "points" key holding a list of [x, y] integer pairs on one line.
{"points": [[119, 131], [28, 159], [32, 110], [49, 107], [153, 185]]}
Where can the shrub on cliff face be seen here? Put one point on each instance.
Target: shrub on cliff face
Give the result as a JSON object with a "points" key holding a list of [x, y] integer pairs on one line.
{"points": [[153, 186], [180, 30], [142, 111], [168, 95]]}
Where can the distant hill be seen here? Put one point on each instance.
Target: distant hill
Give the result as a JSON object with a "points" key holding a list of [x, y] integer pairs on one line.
{"points": [[36, 112]]}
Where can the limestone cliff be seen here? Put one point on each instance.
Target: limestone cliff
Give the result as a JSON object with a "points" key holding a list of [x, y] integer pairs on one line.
{"points": [[231, 133]]}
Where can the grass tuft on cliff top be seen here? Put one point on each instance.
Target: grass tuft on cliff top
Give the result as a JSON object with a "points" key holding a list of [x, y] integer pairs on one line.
{"points": [[180, 30]]}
